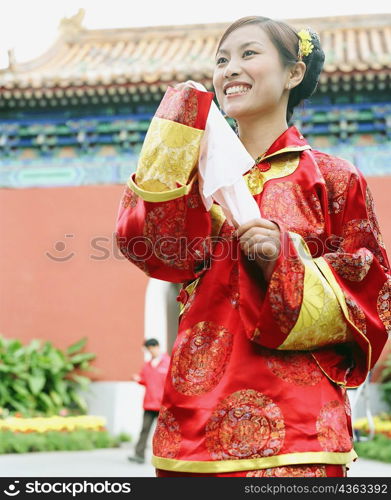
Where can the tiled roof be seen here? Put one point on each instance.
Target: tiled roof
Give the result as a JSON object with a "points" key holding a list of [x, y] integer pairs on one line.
{"points": [[147, 59]]}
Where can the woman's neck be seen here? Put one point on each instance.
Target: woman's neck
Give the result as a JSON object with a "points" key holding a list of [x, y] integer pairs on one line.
{"points": [[257, 135]]}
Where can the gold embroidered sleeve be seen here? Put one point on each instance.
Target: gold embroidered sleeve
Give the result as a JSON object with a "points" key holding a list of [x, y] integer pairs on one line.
{"points": [[168, 157], [323, 318]]}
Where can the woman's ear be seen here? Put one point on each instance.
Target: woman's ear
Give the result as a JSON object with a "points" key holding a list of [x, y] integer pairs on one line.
{"points": [[297, 73]]}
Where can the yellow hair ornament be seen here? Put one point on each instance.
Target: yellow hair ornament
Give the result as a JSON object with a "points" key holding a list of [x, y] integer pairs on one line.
{"points": [[305, 45]]}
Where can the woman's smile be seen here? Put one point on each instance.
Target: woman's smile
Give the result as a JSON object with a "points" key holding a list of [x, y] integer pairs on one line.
{"points": [[233, 92]]}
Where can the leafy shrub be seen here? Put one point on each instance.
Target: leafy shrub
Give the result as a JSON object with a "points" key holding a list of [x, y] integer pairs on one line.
{"points": [[124, 437], [42, 380], [379, 448], [18, 442]]}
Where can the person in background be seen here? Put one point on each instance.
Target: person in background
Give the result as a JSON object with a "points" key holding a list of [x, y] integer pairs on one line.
{"points": [[152, 376]]}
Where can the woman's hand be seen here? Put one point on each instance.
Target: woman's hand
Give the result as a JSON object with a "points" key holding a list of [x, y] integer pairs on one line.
{"points": [[260, 241], [136, 377]]}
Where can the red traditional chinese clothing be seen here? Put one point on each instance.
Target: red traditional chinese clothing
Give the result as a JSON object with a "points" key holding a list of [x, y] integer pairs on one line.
{"points": [[259, 371]]}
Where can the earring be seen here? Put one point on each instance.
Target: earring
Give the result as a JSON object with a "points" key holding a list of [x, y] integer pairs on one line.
{"points": [[289, 86]]}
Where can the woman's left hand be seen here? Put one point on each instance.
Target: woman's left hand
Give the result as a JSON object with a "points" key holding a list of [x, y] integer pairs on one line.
{"points": [[260, 241]]}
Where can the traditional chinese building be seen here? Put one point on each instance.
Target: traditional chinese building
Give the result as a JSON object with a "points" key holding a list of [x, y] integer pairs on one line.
{"points": [[72, 124]]}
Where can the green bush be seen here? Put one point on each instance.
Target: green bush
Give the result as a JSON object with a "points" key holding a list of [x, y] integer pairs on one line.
{"points": [[379, 448], [124, 437], [18, 442], [42, 380]]}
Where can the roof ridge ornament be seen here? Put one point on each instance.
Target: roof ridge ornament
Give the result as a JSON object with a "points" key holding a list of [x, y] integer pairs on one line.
{"points": [[70, 26], [11, 59]]}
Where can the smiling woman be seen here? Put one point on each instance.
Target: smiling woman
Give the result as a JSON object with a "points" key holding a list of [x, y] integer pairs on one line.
{"points": [[276, 74], [279, 315]]}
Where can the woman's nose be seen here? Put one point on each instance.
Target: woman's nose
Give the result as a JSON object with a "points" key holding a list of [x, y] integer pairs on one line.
{"points": [[232, 69]]}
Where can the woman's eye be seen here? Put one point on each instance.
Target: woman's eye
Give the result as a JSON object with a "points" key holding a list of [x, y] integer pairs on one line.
{"points": [[221, 59]]}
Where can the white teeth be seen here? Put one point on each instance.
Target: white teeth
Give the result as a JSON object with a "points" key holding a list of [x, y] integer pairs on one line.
{"points": [[239, 89]]}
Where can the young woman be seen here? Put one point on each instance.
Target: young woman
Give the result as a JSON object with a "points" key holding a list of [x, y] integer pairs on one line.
{"points": [[280, 315]]}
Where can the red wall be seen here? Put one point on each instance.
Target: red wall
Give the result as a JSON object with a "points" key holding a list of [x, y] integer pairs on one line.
{"points": [[64, 301], [101, 299]]}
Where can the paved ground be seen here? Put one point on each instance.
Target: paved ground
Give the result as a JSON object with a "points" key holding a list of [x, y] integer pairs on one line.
{"points": [[110, 462], [113, 463]]}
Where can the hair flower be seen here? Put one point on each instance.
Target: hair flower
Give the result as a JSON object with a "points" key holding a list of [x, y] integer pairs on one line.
{"points": [[305, 44]]}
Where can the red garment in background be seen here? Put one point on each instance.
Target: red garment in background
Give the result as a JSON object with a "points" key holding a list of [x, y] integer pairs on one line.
{"points": [[153, 378]]}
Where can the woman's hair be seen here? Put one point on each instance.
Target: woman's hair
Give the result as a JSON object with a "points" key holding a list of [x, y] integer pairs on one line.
{"points": [[286, 40]]}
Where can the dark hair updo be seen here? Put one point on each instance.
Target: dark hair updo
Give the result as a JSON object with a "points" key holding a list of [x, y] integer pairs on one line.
{"points": [[286, 40]]}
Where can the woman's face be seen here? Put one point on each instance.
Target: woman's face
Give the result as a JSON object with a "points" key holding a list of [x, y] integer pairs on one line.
{"points": [[248, 56]]}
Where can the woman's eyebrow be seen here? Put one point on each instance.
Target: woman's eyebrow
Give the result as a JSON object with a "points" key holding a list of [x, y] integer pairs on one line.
{"points": [[222, 51]]}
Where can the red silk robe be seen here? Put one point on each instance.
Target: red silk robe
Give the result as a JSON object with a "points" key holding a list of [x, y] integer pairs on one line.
{"points": [[258, 371]]}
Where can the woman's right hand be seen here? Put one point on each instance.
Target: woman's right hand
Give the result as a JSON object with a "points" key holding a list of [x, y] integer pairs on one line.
{"points": [[136, 377]]}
